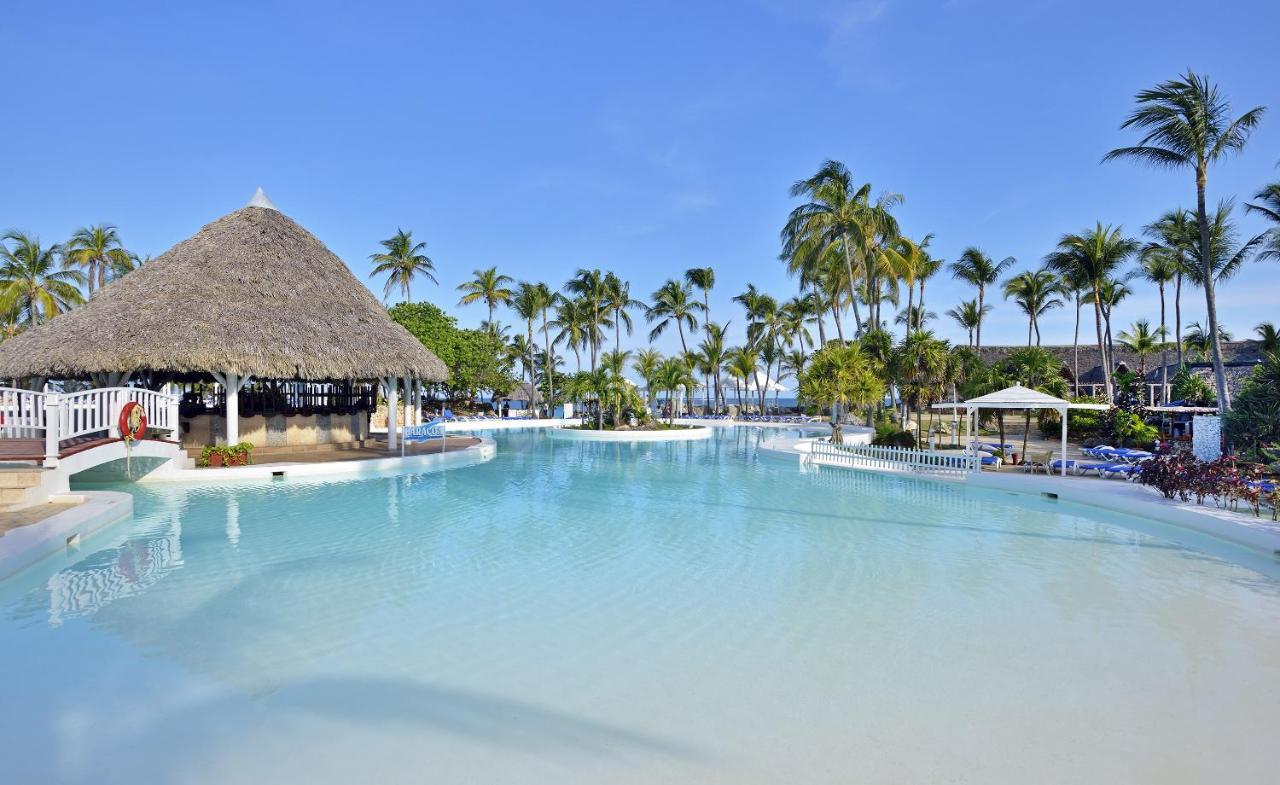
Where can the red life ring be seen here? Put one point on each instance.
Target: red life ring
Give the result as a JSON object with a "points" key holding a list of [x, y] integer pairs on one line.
{"points": [[133, 422]]}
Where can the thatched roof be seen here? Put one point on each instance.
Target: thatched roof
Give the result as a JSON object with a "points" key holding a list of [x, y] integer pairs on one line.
{"points": [[252, 293]]}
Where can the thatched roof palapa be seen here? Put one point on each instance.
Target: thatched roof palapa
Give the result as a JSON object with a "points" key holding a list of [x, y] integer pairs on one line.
{"points": [[252, 293]]}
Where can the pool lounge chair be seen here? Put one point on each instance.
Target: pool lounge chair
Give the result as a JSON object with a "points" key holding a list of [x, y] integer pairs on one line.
{"points": [[1038, 461], [1122, 470], [1073, 467]]}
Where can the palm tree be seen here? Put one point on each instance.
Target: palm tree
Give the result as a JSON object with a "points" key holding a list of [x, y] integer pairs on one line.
{"points": [[912, 260], [711, 354], [1093, 256], [573, 318], [1269, 208], [401, 260], [976, 268], [1174, 236], [1112, 293], [1036, 293], [590, 286], [1186, 123], [527, 303], [795, 316], [673, 374], [928, 268], [489, 286], [742, 366], [919, 366], [834, 217], [542, 300], [704, 280], [646, 367], [1227, 253], [97, 249], [1143, 341], [672, 303], [1198, 342], [914, 317], [1160, 268], [842, 376], [617, 301], [32, 283], [969, 315], [1268, 338]]}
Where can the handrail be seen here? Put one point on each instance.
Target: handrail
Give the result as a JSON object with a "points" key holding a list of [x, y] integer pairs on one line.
{"points": [[894, 458], [21, 413], [63, 416]]}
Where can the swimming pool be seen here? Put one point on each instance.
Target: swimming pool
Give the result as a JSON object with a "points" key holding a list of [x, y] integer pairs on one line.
{"points": [[586, 613]]}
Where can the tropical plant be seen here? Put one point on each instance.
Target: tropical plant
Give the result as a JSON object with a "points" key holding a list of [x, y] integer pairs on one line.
{"points": [[1268, 338], [841, 377], [1253, 424], [672, 304], [1191, 389], [1094, 256], [711, 356], [1174, 237], [527, 303], [969, 315], [1036, 293], [97, 250], [617, 303], [672, 375], [590, 285], [1269, 208], [742, 367], [976, 268], [1197, 341], [32, 283], [704, 280], [573, 319], [401, 260], [646, 366], [1160, 268], [1186, 124], [488, 286], [1143, 341], [919, 369]]}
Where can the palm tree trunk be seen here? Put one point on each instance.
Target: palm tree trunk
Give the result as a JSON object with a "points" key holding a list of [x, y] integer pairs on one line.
{"points": [[1210, 298], [818, 309], [1031, 323], [981, 295], [1164, 351], [1102, 345], [911, 299], [853, 287], [1075, 347], [548, 364], [835, 313], [1177, 314]]}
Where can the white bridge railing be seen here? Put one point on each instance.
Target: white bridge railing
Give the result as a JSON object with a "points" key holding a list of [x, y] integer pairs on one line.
{"points": [[58, 417], [893, 458]]}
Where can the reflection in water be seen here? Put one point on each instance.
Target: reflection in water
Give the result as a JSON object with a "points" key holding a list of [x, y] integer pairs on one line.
{"points": [[132, 568]]}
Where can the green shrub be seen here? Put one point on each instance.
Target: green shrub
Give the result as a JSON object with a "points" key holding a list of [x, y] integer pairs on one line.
{"points": [[894, 438], [1131, 430]]}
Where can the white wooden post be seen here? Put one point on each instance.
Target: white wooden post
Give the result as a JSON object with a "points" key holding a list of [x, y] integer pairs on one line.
{"points": [[391, 387], [408, 401], [173, 414], [52, 406]]}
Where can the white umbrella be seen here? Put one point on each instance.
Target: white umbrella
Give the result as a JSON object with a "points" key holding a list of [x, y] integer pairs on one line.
{"points": [[771, 385]]}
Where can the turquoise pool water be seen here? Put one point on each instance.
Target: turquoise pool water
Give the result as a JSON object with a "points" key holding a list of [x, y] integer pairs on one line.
{"points": [[583, 613]]}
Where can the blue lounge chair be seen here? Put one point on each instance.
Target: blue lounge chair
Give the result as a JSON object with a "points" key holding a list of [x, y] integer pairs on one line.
{"points": [[1125, 470], [1072, 466]]}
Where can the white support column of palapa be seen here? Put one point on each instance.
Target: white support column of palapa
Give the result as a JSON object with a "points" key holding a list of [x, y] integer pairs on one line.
{"points": [[172, 405], [389, 389], [1064, 441], [408, 400], [231, 385], [52, 425]]}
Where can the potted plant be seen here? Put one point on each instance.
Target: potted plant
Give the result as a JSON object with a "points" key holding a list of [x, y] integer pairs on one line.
{"points": [[212, 455], [239, 454]]}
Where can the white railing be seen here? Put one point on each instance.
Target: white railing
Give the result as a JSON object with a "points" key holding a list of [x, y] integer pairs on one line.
{"points": [[21, 413], [62, 416], [892, 458]]}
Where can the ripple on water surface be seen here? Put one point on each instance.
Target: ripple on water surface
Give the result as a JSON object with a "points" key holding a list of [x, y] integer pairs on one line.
{"points": [[686, 612]]}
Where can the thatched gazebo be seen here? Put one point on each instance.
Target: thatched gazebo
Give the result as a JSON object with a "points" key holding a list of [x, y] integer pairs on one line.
{"points": [[251, 299]]}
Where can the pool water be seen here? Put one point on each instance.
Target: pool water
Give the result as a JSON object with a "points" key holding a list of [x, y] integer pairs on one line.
{"points": [[602, 613]]}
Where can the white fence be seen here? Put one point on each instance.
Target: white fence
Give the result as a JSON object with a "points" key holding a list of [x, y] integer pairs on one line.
{"points": [[60, 416], [21, 413], [892, 458]]}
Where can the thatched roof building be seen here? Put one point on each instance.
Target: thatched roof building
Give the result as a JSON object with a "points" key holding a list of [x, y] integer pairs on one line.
{"points": [[251, 294]]}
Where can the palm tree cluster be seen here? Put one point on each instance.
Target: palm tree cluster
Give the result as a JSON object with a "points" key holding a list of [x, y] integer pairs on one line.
{"points": [[38, 281]]}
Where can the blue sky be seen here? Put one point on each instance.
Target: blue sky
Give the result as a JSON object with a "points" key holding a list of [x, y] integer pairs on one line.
{"points": [[640, 137]]}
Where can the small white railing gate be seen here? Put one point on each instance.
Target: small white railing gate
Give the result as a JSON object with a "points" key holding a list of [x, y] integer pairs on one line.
{"points": [[893, 458], [61, 416]]}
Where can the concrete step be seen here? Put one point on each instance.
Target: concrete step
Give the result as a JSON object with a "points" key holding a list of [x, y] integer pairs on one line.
{"points": [[19, 478]]}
